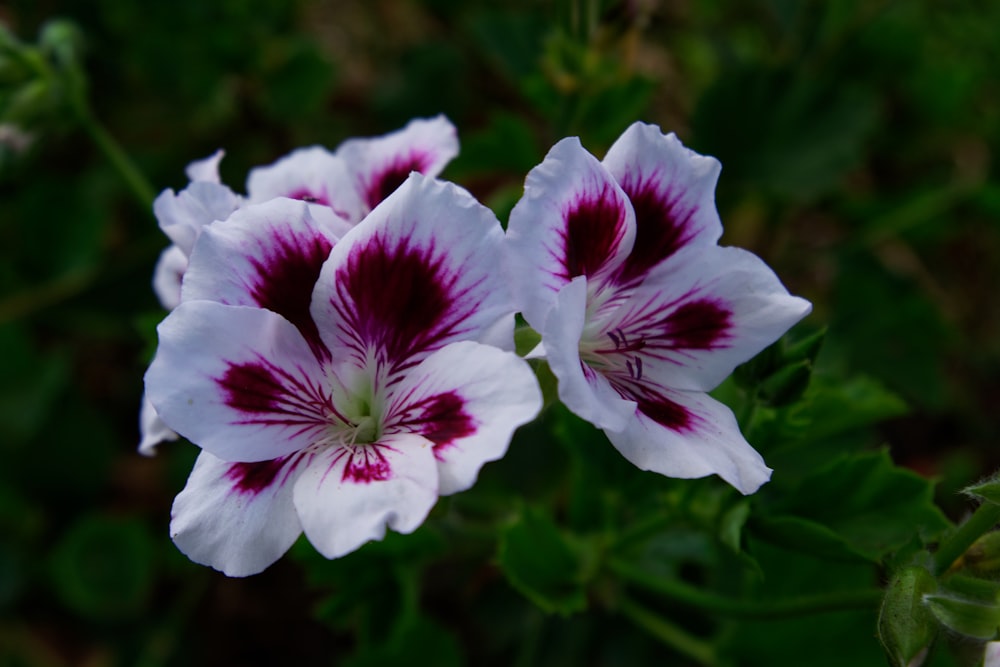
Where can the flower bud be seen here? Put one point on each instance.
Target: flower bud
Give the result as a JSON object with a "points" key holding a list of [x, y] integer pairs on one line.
{"points": [[905, 625], [973, 618]]}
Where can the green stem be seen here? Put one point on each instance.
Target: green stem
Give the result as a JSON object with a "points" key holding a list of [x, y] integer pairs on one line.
{"points": [[668, 633], [140, 187], [984, 519], [756, 609]]}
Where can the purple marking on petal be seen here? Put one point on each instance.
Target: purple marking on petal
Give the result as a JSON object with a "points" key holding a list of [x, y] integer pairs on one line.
{"points": [[385, 181], [662, 226], [286, 276], [267, 395], [665, 412], [308, 196], [595, 224], [399, 300], [440, 418], [699, 325], [253, 478], [365, 464]]}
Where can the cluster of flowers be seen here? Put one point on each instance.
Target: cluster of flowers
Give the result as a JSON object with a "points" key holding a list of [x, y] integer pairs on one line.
{"points": [[340, 344]]}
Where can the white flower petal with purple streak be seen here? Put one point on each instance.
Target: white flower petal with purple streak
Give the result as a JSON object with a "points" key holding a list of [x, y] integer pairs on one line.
{"points": [[348, 495], [379, 165], [695, 318], [573, 221], [313, 175], [152, 430], [240, 382], [583, 389], [688, 435], [672, 192], [467, 399], [421, 271], [266, 255], [182, 216], [237, 517]]}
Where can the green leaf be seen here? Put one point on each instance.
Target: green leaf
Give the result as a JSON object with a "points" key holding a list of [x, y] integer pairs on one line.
{"points": [[988, 490], [798, 534], [906, 626], [541, 563], [102, 568], [972, 618], [864, 500], [417, 636]]}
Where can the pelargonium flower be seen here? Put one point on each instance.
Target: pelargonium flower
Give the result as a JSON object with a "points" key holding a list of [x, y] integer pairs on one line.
{"points": [[341, 188], [616, 264], [337, 387]]}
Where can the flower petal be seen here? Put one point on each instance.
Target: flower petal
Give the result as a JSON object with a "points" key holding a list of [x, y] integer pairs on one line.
{"points": [[573, 220], [182, 216], [236, 517], [168, 275], [467, 399], [152, 430], [379, 165], [206, 169], [421, 271], [313, 175], [239, 382], [687, 435], [347, 495], [585, 391], [267, 255], [697, 316], [672, 190]]}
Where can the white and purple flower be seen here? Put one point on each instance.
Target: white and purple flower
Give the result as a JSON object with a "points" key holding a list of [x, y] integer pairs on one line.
{"points": [[337, 387], [340, 187], [616, 264]]}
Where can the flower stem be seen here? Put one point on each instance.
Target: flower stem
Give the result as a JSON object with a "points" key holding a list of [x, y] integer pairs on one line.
{"points": [[112, 150], [984, 519], [668, 633], [756, 609]]}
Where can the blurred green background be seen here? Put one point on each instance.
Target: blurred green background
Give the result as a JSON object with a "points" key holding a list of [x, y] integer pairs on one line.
{"points": [[858, 140]]}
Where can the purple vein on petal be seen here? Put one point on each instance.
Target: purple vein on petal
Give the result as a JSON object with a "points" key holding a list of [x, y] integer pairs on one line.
{"points": [[384, 181], [440, 418], [663, 224], [364, 464], [400, 300], [266, 395], [594, 227], [287, 272], [309, 196], [251, 479]]}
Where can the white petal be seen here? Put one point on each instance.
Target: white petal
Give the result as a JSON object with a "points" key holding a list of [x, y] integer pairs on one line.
{"points": [[240, 382], [700, 314], [672, 190], [687, 435], [379, 165], [467, 399], [152, 430], [347, 496], [236, 517], [168, 275], [267, 255], [182, 216], [421, 271], [584, 391], [573, 220], [313, 175], [206, 169]]}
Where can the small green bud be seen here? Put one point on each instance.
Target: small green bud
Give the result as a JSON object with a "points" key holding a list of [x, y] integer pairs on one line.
{"points": [[905, 626], [984, 555], [61, 41], [988, 490], [973, 618]]}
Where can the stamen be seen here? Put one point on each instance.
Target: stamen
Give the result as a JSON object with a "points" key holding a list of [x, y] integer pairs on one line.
{"points": [[614, 339], [631, 371], [638, 368]]}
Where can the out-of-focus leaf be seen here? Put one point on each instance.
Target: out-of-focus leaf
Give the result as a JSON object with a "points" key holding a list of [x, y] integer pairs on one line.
{"points": [[29, 384], [103, 567], [972, 618], [541, 563], [864, 501], [418, 639]]}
